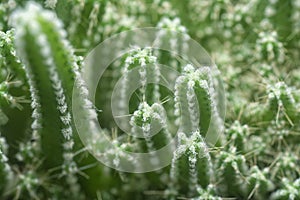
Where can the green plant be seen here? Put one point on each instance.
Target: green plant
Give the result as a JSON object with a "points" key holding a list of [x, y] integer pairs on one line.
{"points": [[256, 47]]}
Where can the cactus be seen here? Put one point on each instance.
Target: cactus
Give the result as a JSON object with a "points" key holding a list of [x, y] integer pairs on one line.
{"points": [[191, 167], [290, 190], [50, 80], [43, 154], [232, 170]]}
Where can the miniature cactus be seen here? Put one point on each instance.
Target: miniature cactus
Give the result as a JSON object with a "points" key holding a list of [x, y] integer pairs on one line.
{"points": [[232, 170], [191, 167]]}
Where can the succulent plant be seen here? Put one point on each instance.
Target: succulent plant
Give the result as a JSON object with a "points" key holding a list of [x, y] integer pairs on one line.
{"points": [[251, 154]]}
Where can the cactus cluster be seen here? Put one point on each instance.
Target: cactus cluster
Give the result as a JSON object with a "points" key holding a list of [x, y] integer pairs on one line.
{"points": [[251, 154]]}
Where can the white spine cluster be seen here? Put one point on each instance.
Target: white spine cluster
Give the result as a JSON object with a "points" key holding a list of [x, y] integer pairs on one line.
{"points": [[22, 18], [177, 110], [193, 108]]}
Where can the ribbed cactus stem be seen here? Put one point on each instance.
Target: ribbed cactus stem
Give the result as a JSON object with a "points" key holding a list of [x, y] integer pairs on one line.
{"points": [[181, 105], [191, 99], [137, 57], [195, 102], [281, 101], [270, 48], [17, 67], [192, 169], [231, 171], [191, 166], [49, 66], [237, 134]]}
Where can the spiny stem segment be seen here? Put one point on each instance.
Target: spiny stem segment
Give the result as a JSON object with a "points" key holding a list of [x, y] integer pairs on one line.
{"points": [[51, 70], [191, 167], [195, 103]]}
